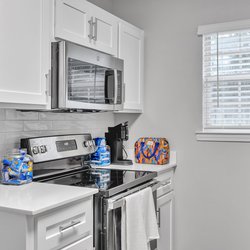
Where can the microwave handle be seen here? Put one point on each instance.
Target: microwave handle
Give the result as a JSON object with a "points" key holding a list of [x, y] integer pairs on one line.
{"points": [[48, 83], [116, 86], [123, 92]]}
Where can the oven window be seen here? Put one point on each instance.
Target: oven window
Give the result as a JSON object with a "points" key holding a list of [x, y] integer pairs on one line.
{"points": [[90, 83]]}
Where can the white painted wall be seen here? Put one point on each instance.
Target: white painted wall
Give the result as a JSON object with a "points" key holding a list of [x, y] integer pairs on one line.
{"points": [[212, 179], [105, 4]]}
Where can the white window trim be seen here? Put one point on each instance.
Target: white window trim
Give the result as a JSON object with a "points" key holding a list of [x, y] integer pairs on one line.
{"points": [[223, 135], [220, 27]]}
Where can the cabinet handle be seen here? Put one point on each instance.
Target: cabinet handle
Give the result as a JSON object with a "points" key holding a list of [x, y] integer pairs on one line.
{"points": [[48, 83], [72, 224], [158, 212], [94, 37], [91, 23]]}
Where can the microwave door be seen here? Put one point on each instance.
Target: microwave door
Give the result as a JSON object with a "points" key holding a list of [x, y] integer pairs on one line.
{"points": [[87, 79], [119, 90], [89, 86], [109, 87]]}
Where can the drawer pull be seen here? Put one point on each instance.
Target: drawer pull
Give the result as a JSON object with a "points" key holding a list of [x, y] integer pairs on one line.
{"points": [[72, 224]]}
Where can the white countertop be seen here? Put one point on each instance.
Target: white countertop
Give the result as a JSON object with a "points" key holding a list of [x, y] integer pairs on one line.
{"points": [[144, 167], [35, 198]]}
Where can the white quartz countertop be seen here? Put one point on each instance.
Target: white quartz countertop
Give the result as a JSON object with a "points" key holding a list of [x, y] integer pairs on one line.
{"points": [[144, 167], [35, 198]]}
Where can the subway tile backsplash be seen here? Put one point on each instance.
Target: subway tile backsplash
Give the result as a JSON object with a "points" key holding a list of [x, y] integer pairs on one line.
{"points": [[15, 125]]}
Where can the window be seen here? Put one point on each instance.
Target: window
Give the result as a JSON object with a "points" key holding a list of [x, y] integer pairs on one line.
{"points": [[226, 75]]}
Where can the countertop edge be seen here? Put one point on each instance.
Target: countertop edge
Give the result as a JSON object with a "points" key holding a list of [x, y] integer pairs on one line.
{"points": [[60, 204], [50, 207]]}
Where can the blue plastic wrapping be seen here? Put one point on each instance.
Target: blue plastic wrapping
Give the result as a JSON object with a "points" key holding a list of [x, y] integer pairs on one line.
{"points": [[102, 155], [17, 168]]}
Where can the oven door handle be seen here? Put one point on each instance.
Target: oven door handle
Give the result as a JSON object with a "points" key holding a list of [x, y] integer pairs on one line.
{"points": [[114, 203]]}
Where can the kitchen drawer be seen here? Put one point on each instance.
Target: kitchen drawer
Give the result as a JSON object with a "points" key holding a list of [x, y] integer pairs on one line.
{"points": [[83, 244], [65, 225], [166, 187], [165, 176]]}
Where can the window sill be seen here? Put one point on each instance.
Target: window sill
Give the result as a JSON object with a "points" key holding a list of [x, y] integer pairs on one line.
{"points": [[223, 136]]}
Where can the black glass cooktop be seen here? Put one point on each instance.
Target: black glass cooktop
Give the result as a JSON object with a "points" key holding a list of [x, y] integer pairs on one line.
{"points": [[109, 182]]}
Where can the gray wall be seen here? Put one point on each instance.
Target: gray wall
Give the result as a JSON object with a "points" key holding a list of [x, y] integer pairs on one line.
{"points": [[105, 4], [212, 179]]}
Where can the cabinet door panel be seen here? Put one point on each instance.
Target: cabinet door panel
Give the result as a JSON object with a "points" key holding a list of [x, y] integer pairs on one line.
{"points": [[105, 31], [24, 49], [72, 21], [165, 213], [83, 244], [131, 50]]}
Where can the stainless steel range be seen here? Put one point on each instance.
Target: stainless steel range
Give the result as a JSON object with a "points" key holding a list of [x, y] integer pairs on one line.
{"points": [[64, 160]]}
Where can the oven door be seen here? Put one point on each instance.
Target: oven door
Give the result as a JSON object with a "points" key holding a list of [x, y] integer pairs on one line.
{"points": [[108, 224], [89, 79]]}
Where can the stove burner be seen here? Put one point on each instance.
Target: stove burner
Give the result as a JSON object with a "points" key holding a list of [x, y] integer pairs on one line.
{"points": [[109, 182]]}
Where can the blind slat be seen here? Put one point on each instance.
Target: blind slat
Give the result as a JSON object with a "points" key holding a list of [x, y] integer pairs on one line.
{"points": [[226, 79]]}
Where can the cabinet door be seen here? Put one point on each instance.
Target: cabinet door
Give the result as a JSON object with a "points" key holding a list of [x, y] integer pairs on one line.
{"points": [[105, 28], [83, 244], [165, 211], [72, 21], [25, 51], [131, 50]]}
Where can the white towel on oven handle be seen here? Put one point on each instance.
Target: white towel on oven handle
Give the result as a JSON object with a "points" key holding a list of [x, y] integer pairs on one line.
{"points": [[139, 221]]}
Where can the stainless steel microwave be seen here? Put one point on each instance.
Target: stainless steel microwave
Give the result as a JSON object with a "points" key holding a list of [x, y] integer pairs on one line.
{"points": [[85, 79]]}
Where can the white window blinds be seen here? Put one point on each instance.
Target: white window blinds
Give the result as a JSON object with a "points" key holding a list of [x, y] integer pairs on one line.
{"points": [[226, 79]]}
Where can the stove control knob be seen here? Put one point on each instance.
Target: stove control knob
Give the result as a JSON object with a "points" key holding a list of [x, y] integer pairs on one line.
{"points": [[93, 143], [35, 150], [43, 149], [85, 144]]}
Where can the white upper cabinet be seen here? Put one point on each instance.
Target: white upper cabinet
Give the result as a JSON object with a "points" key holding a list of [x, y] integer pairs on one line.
{"points": [[72, 21], [131, 50], [25, 52], [83, 23], [105, 28]]}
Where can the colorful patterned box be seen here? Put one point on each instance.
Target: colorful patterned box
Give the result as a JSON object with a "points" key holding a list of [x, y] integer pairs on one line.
{"points": [[150, 150]]}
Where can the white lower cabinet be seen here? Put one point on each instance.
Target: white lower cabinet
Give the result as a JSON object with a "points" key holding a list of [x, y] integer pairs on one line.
{"points": [[68, 227], [165, 210]]}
